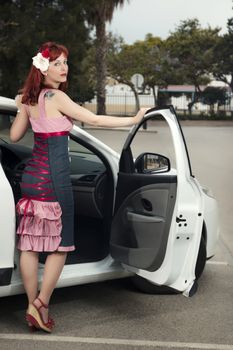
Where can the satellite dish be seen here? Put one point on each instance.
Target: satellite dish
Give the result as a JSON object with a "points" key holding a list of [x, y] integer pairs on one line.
{"points": [[137, 79]]}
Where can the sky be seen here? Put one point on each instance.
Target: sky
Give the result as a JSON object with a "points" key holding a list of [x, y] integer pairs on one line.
{"points": [[159, 17]]}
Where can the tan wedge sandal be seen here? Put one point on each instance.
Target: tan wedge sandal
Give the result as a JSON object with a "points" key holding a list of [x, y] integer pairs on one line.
{"points": [[34, 317]]}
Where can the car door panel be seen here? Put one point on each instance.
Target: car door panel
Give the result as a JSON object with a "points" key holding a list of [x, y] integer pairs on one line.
{"points": [[129, 182], [141, 224], [157, 223], [7, 232]]}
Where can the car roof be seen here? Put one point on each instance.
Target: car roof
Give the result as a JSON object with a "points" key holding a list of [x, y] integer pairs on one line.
{"points": [[7, 104]]}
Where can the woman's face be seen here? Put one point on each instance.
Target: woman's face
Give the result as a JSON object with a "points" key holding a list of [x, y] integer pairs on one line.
{"points": [[57, 71]]}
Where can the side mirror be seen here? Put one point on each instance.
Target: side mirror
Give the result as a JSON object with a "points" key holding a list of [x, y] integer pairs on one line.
{"points": [[151, 163]]}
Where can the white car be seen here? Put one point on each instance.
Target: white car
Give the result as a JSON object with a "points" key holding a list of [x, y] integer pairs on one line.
{"points": [[140, 218]]}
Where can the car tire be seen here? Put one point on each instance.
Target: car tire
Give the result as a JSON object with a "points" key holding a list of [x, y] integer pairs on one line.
{"points": [[147, 287], [201, 258]]}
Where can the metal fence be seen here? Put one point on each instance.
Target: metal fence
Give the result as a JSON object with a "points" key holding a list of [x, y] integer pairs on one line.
{"points": [[125, 104], [122, 104]]}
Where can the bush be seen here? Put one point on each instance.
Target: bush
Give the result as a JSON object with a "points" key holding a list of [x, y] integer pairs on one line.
{"points": [[220, 115]]}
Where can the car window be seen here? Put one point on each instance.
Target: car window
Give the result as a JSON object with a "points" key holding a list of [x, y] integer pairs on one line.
{"points": [[6, 120], [156, 139], [84, 161], [76, 147]]}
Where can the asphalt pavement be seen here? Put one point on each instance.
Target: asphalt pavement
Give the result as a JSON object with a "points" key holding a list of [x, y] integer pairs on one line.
{"points": [[113, 315]]}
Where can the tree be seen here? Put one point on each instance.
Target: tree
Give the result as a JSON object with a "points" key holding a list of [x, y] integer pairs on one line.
{"points": [[86, 83], [125, 62], [148, 57], [223, 57], [26, 24], [212, 95], [193, 48], [98, 12], [158, 68]]}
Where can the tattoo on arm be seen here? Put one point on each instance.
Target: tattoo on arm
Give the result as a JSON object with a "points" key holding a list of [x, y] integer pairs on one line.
{"points": [[49, 94]]}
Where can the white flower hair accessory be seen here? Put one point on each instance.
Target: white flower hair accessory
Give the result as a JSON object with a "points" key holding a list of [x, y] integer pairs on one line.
{"points": [[41, 60]]}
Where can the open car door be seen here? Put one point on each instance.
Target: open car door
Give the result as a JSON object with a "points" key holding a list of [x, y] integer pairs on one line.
{"points": [[158, 217], [7, 230]]}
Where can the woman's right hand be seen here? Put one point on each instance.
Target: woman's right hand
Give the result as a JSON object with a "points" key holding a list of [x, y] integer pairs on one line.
{"points": [[139, 116], [18, 100]]}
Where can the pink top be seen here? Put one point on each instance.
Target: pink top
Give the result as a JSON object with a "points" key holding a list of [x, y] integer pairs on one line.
{"points": [[48, 124]]}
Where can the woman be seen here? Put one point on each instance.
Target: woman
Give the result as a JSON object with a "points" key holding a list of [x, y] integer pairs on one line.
{"points": [[46, 207]]}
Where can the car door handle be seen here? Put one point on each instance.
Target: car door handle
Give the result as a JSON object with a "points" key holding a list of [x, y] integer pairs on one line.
{"points": [[180, 220], [147, 205], [135, 217]]}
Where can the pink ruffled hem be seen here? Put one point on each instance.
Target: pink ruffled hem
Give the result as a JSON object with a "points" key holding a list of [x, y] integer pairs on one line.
{"points": [[40, 226], [39, 244]]}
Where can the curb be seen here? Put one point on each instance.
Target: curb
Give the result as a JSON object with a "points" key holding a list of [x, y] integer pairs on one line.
{"points": [[151, 127], [118, 129]]}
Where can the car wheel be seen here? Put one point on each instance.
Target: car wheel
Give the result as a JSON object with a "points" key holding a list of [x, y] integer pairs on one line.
{"points": [[146, 286]]}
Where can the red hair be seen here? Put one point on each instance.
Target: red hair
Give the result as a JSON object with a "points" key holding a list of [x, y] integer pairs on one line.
{"points": [[34, 82]]}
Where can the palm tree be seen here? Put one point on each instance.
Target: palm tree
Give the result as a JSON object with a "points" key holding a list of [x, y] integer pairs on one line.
{"points": [[98, 13]]}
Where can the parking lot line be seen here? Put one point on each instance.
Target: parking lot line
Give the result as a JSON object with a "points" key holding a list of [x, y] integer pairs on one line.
{"points": [[217, 262], [114, 341]]}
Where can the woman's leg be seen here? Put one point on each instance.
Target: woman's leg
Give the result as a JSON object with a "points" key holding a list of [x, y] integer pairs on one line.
{"points": [[53, 268], [29, 273]]}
